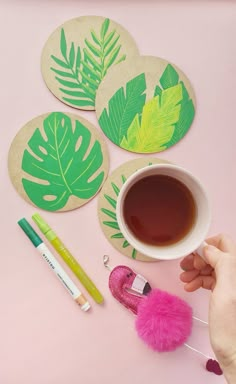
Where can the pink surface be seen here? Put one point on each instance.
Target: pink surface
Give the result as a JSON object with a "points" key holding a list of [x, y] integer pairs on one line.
{"points": [[44, 337]]}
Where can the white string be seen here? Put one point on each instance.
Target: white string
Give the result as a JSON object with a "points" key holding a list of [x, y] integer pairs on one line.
{"points": [[196, 350], [201, 321]]}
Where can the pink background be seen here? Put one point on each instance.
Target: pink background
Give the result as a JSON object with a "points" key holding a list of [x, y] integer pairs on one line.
{"points": [[44, 337]]}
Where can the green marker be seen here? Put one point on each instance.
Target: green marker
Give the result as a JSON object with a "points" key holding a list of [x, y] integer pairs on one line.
{"points": [[54, 265], [68, 258]]}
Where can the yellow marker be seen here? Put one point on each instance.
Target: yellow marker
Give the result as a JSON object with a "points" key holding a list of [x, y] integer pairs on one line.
{"points": [[68, 258]]}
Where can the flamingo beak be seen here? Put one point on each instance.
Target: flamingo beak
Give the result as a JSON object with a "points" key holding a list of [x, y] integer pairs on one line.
{"points": [[141, 285]]}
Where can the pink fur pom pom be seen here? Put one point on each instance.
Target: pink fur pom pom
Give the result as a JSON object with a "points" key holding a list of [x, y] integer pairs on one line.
{"points": [[164, 321]]}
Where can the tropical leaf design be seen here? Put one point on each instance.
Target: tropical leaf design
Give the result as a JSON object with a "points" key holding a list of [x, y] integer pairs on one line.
{"points": [[79, 72], [170, 78], [122, 109], [61, 169], [150, 127], [150, 132], [111, 213]]}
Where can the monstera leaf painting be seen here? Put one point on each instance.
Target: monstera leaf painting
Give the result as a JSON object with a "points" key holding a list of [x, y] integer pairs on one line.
{"points": [[82, 59], [147, 126], [63, 158]]}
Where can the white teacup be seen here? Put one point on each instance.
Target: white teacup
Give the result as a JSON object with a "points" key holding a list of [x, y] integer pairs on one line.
{"points": [[194, 240]]}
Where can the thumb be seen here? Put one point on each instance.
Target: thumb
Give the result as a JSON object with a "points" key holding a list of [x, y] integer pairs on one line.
{"points": [[212, 255]]}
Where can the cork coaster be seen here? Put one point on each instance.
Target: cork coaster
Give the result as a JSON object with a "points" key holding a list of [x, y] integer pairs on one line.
{"points": [[145, 105], [58, 161], [78, 55], [107, 205]]}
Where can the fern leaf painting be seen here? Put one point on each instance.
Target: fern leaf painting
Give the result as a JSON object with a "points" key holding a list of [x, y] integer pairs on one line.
{"points": [[146, 119], [63, 161], [80, 56], [112, 220], [107, 202]]}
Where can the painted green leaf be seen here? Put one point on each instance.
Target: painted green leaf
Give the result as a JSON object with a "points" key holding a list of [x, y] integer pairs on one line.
{"points": [[151, 131], [125, 244], [109, 213], [63, 43], [112, 224], [115, 189], [95, 38], [111, 201], [62, 170], [90, 92], [169, 77], [118, 235], [62, 73], [186, 117], [111, 46], [88, 58], [69, 84], [72, 55], [60, 62], [72, 64], [74, 93], [157, 91], [122, 108], [104, 29], [86, 70], [78, 60], [101, 57], [109, 38], [122, 58], [111, 59], [92, 48], [79, 103]]}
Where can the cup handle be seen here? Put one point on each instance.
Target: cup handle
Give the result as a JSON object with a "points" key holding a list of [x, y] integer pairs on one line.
{"points": [[199, 250]]}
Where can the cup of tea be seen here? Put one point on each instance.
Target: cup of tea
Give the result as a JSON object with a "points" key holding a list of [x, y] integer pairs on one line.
{"points": [[163, 211]]}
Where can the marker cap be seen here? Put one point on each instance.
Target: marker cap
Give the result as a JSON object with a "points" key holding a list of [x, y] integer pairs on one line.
{"points": [[44, 227], [30, 232]]}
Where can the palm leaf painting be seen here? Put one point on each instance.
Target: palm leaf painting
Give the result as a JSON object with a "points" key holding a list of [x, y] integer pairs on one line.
{"points": [[111, 216], [155, 127], [143, 126], [122, 109], [80, 71], [59, 169]]}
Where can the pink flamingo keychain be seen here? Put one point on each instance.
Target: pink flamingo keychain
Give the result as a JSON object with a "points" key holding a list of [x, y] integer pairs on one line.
{"points": [[164, 321]]}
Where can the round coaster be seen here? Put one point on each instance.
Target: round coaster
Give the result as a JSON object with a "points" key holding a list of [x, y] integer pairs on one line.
{"points": [[145, 105], [107, 205], [78, 55], [58, 161]]}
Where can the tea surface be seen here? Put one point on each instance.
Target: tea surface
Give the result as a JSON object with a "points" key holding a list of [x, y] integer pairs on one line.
{"points": [[159, 210]]}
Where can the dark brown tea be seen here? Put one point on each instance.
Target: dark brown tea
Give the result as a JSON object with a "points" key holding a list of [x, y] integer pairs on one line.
{"points": [[159, 210]]}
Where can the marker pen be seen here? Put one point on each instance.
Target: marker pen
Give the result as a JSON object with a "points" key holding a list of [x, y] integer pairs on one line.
{"points": [[54, 265], [68, 258]]}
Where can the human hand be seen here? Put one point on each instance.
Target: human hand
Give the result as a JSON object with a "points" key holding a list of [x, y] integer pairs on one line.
{"points": [[218, 274]]}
